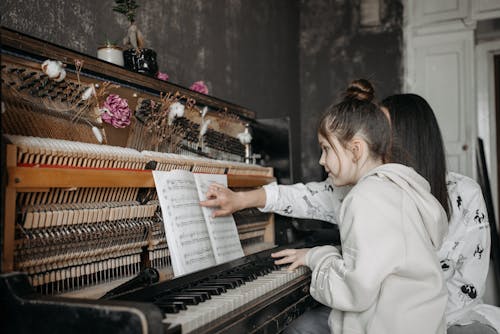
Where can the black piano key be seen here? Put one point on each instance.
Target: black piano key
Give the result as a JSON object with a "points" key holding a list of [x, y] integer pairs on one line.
{"points": [[225, 283], [204, 294], [246, 278], [188, 300], [261, 271], [180, 305], [232, 276], [168, 307], [218, 287], [232, 283], [200, 296], [196, 297], [210, 290]]}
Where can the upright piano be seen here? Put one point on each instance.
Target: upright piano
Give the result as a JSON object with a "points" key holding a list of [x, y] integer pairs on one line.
{"points": [[82, 238]]}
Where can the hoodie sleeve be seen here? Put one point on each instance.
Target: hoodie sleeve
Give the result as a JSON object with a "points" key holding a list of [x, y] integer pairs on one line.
{"points": [[471, 255], [372, 248], [314, 200]]}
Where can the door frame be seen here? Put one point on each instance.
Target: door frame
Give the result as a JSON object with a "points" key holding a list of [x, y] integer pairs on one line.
{"points": [[486, 110]]}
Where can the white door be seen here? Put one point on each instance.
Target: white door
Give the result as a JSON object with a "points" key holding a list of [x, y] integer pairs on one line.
{"points": [[441, 71]]}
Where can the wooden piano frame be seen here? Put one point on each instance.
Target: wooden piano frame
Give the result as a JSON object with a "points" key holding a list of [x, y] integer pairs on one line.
{"points": [[29, 179]]}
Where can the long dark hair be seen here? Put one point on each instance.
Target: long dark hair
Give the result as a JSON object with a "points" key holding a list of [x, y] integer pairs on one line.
{"points": [[417, 141], [357, 114]]}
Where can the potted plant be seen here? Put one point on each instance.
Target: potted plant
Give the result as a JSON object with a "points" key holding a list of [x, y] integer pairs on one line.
{"points": [[136, 57], [111, 52]]}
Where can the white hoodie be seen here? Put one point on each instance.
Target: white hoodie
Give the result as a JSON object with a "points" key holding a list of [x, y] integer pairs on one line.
{"points": [[388, 279]]}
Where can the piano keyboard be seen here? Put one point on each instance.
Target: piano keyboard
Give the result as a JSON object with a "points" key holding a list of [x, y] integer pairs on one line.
{"points": [[216, 305], [245, 295]]}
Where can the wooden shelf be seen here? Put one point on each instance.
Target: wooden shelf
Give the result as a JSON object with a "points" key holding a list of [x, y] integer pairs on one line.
{"points": [[29, 178]]}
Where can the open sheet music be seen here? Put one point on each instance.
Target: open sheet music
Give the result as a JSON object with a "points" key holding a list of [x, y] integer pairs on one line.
{"points": [[195, 239]]}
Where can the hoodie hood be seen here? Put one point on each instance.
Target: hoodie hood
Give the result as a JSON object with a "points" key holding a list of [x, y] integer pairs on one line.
{"points": [[432, 213]]}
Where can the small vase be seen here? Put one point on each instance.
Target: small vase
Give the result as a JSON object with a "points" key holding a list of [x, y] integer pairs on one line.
{"points": [[141, 60], [111, 53]]}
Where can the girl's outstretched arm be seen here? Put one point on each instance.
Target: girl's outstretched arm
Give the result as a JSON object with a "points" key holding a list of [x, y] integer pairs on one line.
{"points": [[313, 200]]}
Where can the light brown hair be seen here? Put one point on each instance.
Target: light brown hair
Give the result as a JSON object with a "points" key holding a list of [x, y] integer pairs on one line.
{"points": [[357, 114]]}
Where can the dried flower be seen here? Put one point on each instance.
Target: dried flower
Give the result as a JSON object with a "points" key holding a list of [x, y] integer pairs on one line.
{"points": [[244, 137], [88, 93], [97, 134], [200, 87], [162, 76], [54, 69], [203, 112], [115, 111], [204, 127], [176, 109]]}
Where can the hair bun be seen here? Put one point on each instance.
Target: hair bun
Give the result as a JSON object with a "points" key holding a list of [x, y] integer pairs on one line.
{"points": [[361, 90]]}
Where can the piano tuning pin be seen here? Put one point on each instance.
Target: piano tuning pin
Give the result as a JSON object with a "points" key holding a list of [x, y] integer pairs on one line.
{"points": [[43, 82], [27, 76]]}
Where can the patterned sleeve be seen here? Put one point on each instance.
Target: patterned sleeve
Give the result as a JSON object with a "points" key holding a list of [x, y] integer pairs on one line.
{"points": [[467, 247], [314, 200]]}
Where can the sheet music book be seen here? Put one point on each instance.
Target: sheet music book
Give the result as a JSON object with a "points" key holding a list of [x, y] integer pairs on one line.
{"points": [[195, 239]]}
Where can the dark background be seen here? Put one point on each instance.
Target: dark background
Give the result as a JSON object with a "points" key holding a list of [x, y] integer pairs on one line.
{"points": [[279, 58]]}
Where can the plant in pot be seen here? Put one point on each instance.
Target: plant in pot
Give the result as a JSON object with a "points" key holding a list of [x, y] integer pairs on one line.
{"points": [[111, 52], [136, 57]]}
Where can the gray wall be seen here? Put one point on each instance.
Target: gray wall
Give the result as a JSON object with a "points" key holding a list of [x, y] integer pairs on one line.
{"points": [[335, 48], [276, 57]]}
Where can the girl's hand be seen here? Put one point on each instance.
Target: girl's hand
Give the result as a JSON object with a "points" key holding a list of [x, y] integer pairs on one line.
{"points": [[224, 199], [296, 257]]}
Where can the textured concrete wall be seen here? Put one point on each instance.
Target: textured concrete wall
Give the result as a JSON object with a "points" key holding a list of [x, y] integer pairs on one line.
{"points": [[244, 50], [336, 48], [247, 51]]}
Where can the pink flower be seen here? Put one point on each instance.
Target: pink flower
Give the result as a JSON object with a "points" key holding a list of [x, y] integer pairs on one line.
{"points": [[162, 76], [200, 87], [116, 111]]}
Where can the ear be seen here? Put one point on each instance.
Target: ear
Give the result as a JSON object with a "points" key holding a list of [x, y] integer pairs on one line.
{"points": [[358, 148]]}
